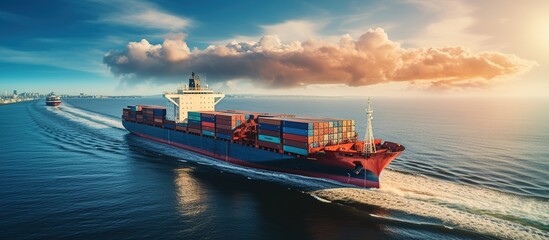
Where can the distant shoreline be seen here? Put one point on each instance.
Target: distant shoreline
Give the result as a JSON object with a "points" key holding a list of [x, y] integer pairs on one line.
{"points": [[18, 101]]}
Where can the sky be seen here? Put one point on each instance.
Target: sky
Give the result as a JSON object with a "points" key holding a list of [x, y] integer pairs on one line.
{"points": [[337, 48]]}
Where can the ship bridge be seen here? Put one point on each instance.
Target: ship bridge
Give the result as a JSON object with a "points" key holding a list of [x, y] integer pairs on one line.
{"points": [[191, 97]]}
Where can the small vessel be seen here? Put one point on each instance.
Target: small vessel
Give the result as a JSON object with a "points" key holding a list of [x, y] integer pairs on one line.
{"points": [[326, 148], [53, 100]]}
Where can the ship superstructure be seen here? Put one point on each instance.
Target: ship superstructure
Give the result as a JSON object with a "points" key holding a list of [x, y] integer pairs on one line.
{"points": [[191, 97], [53, 100]]}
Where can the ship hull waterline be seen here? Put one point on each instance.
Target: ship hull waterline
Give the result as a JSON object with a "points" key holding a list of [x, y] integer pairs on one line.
{"points": [[251, 157], [53, 103]]}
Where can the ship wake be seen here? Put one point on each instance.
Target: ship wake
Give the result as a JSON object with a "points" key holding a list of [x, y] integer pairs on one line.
{"points": [[87, 118], [453, 205]]}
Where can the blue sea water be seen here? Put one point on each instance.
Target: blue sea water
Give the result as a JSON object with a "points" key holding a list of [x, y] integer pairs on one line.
{"points": [[472, 169]]}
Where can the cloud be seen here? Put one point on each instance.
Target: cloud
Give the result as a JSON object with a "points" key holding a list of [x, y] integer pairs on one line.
{"points": [[150, 19], [294, 30], [452, 25], [142, 14], [370, 59], [86, 59]]}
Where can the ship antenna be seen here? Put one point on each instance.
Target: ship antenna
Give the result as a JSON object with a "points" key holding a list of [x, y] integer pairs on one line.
{"points": [[369, 145]]}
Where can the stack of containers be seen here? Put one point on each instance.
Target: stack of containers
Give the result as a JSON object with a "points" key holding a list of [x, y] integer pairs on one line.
{"points": [[131, 113], [154, 115], [139, 116], [208, 123], [194, 122], [299, 135], [148, 115], [227, 122], [269, 132], [126, 114], [249, 115]]}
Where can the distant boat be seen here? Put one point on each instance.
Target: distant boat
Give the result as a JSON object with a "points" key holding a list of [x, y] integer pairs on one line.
{"points": [[53, 100]]}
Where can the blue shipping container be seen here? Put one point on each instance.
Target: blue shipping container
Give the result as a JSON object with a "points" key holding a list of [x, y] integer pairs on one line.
{"points": [[169, 125], [268, 138], [298, 125], [208, 133], [269, 127], [295, 150], [208, 119], [195, 122], [224, 136], [296, 131]]}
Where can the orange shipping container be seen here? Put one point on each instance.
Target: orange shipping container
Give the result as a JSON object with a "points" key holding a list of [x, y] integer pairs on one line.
{"points": [[208, 124]]}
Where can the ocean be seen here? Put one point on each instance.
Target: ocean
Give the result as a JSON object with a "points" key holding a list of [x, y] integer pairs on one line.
{"points": [[472, 169]]}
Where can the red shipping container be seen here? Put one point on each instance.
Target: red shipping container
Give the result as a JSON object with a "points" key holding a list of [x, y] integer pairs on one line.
{"points": [[269, 121], [269, 133], [224, 122], [295, 137], [296, 144], [211, 129], [224, 127], [224, 131], [208, 124], [269, 145]]}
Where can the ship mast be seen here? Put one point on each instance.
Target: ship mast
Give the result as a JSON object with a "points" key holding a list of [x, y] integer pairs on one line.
{"points": [[369, 145]]}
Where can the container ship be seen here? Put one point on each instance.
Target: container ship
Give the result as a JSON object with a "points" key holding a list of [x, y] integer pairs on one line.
{"points": [[53, 100], [326, 148]]}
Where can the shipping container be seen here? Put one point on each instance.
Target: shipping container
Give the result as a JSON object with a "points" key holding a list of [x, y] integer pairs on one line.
{"points": [[211, 129], [295, 150], [297, 124], [224, 131], [194, 118], [225, 127], [269, 145], [296, 131], [208, 133], [208, 119], [295, 137], [269, 133], [208, 124], [297, 144], [224, 136], [195, 122], [269, 127], [268, 138], [267, 120]]}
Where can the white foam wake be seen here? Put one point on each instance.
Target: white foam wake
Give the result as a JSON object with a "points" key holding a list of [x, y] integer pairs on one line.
{"points": [[87, 118], [471, 208], [75, 118], [110, 122]]}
